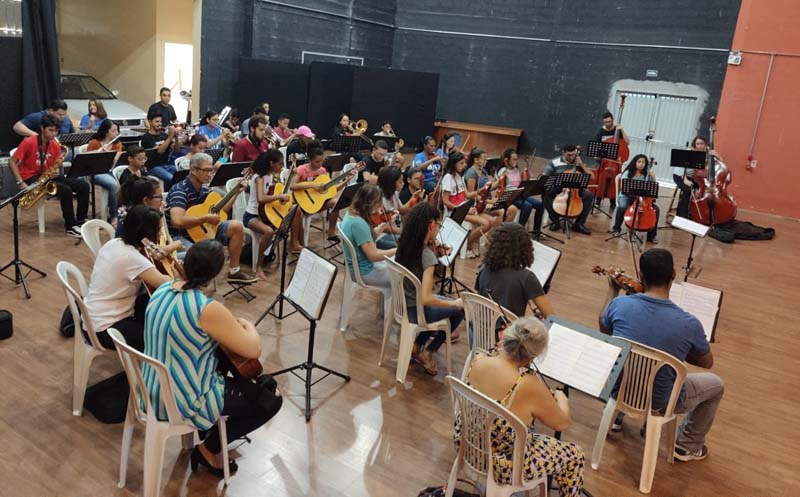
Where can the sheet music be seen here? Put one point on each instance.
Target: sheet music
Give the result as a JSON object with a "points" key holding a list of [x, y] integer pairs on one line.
{"points": [[699, 301], [310, 282], [690, 226], [578, 360], [452, 234], [544, 261]]}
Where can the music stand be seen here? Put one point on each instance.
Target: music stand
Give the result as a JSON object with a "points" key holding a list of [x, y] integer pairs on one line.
{"points": [[215, 153], [346, 144], [570, 181], [531, 188], [449, 261], [73, 140], [686, 159], [19, 275], [638, 189], [282, 237], [335, 162], [459, 214], [508, 198], [178, 177], [391, 141], [227, 172], [91, 164], [602, 150], [695, 229]]}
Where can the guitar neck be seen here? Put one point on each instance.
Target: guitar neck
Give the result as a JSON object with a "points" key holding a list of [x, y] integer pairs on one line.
{"points": [[337, 180]]}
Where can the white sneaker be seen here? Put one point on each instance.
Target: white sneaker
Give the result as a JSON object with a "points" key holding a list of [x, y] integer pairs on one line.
{"points": [[471, 254]]}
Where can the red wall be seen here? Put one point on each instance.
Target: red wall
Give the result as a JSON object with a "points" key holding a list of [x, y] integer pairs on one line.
{"points": [[774, 184]]}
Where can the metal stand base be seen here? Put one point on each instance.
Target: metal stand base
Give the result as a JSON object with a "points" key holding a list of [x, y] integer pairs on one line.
{"points": [[20, 275]]}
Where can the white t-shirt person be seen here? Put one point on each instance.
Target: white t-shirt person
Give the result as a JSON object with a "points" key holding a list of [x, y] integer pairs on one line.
{"points": [[115, 283], [252, 200]]}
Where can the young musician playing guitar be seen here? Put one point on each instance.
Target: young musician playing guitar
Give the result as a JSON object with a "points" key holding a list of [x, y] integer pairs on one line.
{"points": [[191, 191], [265, 166], [306, 174]]}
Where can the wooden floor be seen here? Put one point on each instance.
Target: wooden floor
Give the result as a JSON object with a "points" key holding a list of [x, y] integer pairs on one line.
{"points": [[374, 437]]}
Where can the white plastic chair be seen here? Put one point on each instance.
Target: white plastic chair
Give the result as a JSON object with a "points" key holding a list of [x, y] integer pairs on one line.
{"points": [[478, 413], [90, 232], [482, 314], [238, 210], [39, 208], [635, 399], [156, 432], [84, 353], [117, 172], [351, 283], [409, 330], [81, 149]]}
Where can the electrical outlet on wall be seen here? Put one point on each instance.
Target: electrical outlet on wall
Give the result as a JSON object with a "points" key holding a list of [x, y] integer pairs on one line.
{"points": [[753, 163]]}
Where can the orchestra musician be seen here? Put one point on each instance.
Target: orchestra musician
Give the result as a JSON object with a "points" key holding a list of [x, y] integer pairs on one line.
{"points": [[283, 131], [233, 121], [477, 178], [429, 162], [415, 253], [31, 124], [210, 128], [448, 145], [192, 191], [137, 158], [165, 143], [104, 141], [184, 327], [163, 108], [297, 149], [386, 129], [639, 169], [510, 167], [606, 134], [684, 178], [652, 319], [568, 161], [413, 186], [343, 126], [257, 111], [391, 183], [198, 144], [96, 115], [247, 149], [373, 163], [454, 193], [265, 167], [37, 153]]}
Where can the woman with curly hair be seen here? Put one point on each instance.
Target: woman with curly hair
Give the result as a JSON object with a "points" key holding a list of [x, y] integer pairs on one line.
{"points": [[413, 251], [505, 274]]}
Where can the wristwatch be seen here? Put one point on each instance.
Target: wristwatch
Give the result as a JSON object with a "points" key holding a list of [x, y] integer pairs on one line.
{"points": [[19, 182]]}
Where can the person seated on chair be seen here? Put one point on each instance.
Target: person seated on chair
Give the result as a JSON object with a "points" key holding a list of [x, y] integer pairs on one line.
{"points": [[390, 181], [283, 131], [145, 191], [96, 115], [386, 129], [476, 178], [210, 128], [414, 186], [638, 169], [652, 319], [684, 178], [297, 149], [373, 163], [506, 377], [257, 111], [137, 158], [428, 162], [191, 191], [504, 275], [114, 299], [568, 161], [454, 193], [184, 327], [164, 143], [358, 228], [233, 122], [31, 124], [510, 167], [414, 251], [34, 156], [102, 140], [267, 165], [198, 144], [248, 148], [343, 126], [306, 174]]}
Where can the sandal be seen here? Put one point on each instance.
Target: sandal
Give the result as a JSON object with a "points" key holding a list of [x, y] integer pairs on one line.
{"points": [[428, 364]]}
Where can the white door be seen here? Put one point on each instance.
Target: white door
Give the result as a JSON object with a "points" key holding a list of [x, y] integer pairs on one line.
{"points": [[656, 124]]}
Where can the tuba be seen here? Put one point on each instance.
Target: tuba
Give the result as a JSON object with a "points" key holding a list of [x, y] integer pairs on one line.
{"points": [[361, 126], [46, 184]]}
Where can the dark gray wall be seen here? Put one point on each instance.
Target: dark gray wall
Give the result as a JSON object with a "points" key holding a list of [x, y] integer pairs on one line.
{"points": [[546, 66]]}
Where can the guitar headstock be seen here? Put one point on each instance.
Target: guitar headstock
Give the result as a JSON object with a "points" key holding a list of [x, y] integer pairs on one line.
{"points": [[622, 98]]}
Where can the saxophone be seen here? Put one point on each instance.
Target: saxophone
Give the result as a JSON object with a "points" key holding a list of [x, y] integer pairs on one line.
{"points": [[45, 185]]}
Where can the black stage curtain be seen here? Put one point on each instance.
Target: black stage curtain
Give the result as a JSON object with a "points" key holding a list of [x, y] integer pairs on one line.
{"points": [[284, 85], [40, 70], [330, 93], [10, 92]]}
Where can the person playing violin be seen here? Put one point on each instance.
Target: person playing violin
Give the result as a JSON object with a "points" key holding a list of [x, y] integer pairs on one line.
{"points": [[568, 161], [413, 188], [510, 168], [358, 227], [429, 162], [639, 169], [416, 253], [477, 178]]}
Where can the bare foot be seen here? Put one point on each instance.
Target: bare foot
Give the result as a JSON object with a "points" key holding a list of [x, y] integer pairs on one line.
{"points": [[428, 364]]}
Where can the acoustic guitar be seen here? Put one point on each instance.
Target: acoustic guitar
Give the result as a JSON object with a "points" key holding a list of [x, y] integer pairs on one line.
{"points": [[312, 201], [165, 263], [213, 204], [274, 212]]}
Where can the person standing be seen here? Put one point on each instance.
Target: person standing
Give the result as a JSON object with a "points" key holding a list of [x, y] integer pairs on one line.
{"points": [[31, 124], [163, 108]]}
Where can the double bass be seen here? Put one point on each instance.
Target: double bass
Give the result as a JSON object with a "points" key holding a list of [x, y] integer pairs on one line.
{"points": [[610, 168], [712, 204]]}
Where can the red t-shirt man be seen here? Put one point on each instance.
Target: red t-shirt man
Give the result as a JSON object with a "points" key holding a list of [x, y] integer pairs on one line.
{"points": [[29, 154], [245, 150]]}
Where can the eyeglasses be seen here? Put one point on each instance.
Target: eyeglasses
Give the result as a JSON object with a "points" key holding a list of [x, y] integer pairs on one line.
{"points": [[204, 169], [160, 197]]}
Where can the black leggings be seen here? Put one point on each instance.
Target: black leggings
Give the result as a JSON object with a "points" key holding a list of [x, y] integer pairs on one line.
{"points": [[243, 416]]}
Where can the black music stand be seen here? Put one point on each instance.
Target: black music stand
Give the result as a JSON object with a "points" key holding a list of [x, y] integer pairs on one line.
{"points": [[459, 214], [335, 162], [638, 189], [602, 150], [571, 181], [451, 281], [91, 164], [19, 264], [391, 141], [227, 172], [346, 144], [282, 237], [508, 198], [215, 153], [73, 140], [531, 188]]}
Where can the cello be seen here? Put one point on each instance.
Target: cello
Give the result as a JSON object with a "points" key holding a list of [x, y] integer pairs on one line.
{"points": [[712, 204], [641, 215], [568, 203], [610, 168]]}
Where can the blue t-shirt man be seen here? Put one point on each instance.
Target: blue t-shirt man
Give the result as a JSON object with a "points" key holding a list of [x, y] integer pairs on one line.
{"points": [[357, 230], [33, 122], [660, 324]]}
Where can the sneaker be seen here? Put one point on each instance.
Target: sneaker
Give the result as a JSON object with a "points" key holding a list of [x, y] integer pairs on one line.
{"points": [[555, 227], [74, 232], [472, 254], [653, 240], [241, 277], [682, 454], [579, 228], [617, 425]]}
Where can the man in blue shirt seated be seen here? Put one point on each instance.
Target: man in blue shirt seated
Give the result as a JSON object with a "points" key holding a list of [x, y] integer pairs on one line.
{"points": [[429, 162], [31, 124], [652, 319]]}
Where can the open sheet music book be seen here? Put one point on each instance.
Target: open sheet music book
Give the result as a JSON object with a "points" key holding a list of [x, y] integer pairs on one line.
{"points": [[545, 260], [311, 283], [578, 360], [454, 235], [699, 301], [690, 226]]}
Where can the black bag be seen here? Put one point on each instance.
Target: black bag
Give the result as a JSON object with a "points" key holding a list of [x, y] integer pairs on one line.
{"points": [[67, 326], [441, 491], [108, 399]]}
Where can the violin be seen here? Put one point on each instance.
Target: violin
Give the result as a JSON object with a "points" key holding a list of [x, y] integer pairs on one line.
{"points": [[629, 284], [712, 204], [440, 248], [483, 196], [381, 216], [500, 189], [416, 197]]}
